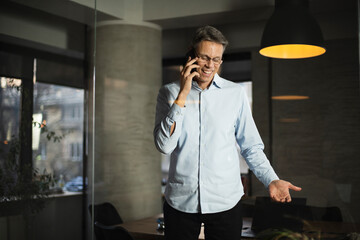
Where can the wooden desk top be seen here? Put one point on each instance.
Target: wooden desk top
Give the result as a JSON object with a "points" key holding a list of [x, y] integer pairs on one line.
{"points": [[147, 228]]}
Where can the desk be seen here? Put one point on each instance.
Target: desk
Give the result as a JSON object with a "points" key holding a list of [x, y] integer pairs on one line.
{"points": [[145, 229]]}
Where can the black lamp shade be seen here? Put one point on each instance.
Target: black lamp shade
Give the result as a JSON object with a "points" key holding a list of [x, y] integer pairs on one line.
{"points": [[292, 32]]}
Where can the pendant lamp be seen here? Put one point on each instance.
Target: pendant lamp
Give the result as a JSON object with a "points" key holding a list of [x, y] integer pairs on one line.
{"points": [[291, 32]]}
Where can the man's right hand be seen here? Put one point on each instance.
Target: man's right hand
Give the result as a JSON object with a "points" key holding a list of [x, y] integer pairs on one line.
{"points": [[186, 77]]}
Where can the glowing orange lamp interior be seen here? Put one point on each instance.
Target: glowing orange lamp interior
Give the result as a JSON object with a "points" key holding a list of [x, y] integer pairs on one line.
{"points": [[290, 97], [292, 51]]}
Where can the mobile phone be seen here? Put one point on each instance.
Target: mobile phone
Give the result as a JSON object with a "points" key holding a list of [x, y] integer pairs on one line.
{"points": [[190, 53]]}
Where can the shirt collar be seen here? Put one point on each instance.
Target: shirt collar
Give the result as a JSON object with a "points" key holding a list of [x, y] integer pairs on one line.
{"points": [[216, 82]]}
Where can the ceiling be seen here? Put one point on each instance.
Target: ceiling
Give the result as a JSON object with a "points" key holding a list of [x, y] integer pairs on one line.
{"points": [[242, 21], [171, 14]]}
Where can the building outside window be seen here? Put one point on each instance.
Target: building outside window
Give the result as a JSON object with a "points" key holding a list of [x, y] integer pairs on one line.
{"points": [[76, 151], [60, 110], [10, 101]]}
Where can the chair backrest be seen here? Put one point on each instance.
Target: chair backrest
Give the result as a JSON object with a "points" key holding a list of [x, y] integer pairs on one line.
{"points": [[106, 214], [112, 232], [329, 214], [268, 214], [247, 209]]}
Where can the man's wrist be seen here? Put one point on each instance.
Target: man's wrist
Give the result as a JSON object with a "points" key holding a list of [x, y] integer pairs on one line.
{"points": [[273, 182], [180, 100], [180, 103]]}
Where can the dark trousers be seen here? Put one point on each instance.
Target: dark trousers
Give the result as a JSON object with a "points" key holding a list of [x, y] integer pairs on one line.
{"points": [[217, 226]]}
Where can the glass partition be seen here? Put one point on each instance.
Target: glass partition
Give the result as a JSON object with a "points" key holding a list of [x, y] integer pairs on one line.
{"points": [[311, 140], [126, 171], [308, 114], [79, 82], [44, 122]]}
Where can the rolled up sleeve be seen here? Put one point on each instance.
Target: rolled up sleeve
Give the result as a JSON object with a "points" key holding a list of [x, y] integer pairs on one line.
{"points": [[167, 113]]}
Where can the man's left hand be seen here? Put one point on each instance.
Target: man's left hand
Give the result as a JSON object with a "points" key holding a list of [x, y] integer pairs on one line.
{"points": [[279, 190]]}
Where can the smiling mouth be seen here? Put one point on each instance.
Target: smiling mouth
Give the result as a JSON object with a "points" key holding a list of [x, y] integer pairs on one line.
{"points": [[207, 72]]}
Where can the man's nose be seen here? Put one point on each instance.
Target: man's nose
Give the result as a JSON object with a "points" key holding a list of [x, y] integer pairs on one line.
{"points": [[210, 63]]}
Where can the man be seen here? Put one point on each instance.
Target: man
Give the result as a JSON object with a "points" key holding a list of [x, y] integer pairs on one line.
{"points": [[198, 121]]}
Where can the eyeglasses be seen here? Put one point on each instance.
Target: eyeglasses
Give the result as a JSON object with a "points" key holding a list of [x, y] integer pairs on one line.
{"points": [[203, 58]]}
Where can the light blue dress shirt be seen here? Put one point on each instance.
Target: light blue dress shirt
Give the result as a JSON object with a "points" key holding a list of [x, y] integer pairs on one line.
{"points": [[204, 173]]}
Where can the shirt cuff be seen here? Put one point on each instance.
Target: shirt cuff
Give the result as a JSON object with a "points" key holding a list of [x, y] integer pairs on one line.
{"points": [[176, 113], [271, 177]]}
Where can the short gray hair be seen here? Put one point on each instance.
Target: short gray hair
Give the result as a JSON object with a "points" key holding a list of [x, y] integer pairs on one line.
{"points": [[208, 33]]}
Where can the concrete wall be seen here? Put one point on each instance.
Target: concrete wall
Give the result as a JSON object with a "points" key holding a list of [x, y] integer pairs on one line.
{"points": [[128, 77]]}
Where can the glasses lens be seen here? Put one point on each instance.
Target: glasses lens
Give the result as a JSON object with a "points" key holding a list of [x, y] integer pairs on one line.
{"points": [[203, 59], [217, 60]]}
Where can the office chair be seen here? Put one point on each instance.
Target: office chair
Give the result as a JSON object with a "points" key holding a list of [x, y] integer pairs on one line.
{"points": [[274, 215], [111, 232], [106, 214], [247, 209], [269, 214], [328, 214]]}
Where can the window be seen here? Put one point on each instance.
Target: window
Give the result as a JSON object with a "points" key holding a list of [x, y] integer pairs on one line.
{"points": [[75, 151], [43, 150], [57, 146], [72, 112], [10, 102]]}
